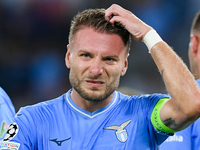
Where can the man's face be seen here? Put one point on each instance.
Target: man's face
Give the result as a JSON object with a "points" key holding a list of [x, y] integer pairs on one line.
{"points": [[191, 62], [194, 55], [96, 62]]}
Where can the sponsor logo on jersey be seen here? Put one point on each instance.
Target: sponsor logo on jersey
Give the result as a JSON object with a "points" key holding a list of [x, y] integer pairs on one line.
{"points": [[10, 145], [17, 115], [4, 128], [121, 132], [12, 131], [59, 142], [175, 137]]}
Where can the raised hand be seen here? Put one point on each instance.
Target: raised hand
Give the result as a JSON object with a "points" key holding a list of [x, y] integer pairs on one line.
{"points": [[134, 25]]}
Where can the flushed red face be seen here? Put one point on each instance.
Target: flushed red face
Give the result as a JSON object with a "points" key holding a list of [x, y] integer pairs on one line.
{"points": [[96, 61]]}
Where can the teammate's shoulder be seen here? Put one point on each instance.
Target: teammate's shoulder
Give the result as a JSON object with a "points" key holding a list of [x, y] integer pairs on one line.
{"points": [[3, 95], [5, 99], [198, 81], [1, 90]]}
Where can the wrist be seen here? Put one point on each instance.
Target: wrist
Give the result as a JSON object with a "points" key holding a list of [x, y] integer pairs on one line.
{"points": [[151, 38]]}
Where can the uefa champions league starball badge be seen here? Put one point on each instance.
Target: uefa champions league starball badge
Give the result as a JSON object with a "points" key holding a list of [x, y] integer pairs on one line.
{"points": [[12, 131]]}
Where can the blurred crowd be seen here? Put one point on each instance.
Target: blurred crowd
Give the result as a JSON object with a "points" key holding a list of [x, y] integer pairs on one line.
{"points": [[34, 35]]}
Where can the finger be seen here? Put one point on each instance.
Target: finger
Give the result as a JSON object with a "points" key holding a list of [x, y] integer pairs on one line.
{"points": [[118, 19], [109, 13], [115, 10]]}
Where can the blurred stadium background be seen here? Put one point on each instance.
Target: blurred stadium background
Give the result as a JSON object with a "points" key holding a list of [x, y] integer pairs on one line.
{"points": [[34, 35]]}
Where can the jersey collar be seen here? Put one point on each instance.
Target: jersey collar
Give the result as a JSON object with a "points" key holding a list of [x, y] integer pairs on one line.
{"points": [[86, 113]]}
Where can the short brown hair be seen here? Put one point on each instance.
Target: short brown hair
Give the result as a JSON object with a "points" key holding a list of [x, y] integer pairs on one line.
{"points": [[196, 23], [95, 18]]}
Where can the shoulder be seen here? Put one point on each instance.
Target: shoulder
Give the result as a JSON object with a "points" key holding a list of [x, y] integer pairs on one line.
{"points": [[42, 108], [142, 99], [3, 96]]}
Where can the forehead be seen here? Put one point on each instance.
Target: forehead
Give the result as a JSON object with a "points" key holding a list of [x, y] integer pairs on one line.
{"points": [[89, 39]]}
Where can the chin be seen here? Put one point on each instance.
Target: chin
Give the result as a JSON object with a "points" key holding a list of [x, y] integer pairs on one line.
{"points": [[95, 96]]}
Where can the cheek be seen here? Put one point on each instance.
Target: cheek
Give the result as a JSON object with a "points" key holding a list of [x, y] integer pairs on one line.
{"points": [[78, 68], [75, 61], [74, 75], [121, 69], [115, 72]]}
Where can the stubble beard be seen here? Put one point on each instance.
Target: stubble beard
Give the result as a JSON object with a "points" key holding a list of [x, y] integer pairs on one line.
{"points": [[76, 84]]}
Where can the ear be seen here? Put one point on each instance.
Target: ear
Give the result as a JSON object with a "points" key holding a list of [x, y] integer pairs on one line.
{"points": [[67, 57], [125, 66], [194, 45]]}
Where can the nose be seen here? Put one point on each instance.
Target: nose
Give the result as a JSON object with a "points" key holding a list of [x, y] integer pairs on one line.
{"points": [[96, 68]]}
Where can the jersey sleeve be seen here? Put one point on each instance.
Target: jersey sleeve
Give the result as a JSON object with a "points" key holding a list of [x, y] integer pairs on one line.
{"points": [[149, 102], [156, 120]]}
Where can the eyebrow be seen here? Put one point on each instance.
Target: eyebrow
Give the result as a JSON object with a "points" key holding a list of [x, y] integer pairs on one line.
{"points": [[89, 52], [112, 56]]}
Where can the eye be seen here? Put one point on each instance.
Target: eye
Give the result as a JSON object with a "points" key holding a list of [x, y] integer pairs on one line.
{"points": [[109, 59], [85, 55]]}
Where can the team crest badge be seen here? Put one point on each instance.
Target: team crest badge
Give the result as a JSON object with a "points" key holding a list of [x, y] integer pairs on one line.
{"points": [[122, 135], [121, 132]]}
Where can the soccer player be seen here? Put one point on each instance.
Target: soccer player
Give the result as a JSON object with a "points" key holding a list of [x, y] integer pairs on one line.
{"points": [[93, 115], [7, 112], [189, 138]]}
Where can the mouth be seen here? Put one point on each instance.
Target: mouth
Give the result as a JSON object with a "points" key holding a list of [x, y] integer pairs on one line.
{"points": [[95, 83]]}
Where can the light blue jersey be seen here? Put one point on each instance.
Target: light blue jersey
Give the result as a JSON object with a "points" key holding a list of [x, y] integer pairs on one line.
{"points": [[60, 124], [7, 112], [187, 139]]}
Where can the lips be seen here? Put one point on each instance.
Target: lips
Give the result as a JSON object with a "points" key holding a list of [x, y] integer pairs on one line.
{"points": [[95, 83]]}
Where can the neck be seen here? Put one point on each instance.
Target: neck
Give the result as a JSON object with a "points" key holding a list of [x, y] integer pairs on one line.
{"points": [[90, 106]]}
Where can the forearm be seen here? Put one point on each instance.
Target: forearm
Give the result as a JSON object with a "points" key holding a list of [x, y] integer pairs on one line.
{"points": [[178, 80]]}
